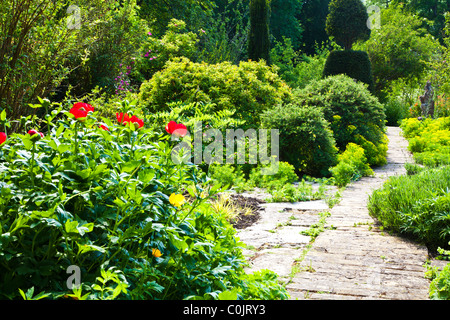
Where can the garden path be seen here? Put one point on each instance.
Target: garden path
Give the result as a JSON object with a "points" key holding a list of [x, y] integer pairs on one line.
{"points": [[351, 258]]}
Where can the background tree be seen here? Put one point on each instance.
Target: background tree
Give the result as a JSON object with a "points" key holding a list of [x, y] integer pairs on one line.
{"points": [[284, 21], [347, 22], [400, 50], [313, 17], [259, 42]]}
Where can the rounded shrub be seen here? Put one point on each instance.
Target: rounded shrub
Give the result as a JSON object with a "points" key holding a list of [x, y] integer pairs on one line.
{"points": [[249, 88], [355, 64], [306, 140], [353, 113]]}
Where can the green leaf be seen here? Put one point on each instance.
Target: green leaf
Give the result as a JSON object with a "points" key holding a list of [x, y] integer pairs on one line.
{"points": [[228, 295], [3, 115]]}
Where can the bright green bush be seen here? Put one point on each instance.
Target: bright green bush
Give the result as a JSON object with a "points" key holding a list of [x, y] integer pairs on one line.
{"points": [[227, 175], [107, 198], [440, 285], [352, 165], [304, 191], [247, 89], [429, 140], [285, 175], [416, 205], [306, 141], [351, 111]]}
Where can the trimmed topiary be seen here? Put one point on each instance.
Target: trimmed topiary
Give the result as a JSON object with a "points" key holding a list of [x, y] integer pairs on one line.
{"points": [[355, 64]]}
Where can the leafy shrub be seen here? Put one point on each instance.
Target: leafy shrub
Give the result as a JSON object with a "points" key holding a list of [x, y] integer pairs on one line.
{"points": [[429, 140], [416, 205], [306, 141], [154, 53], [412, 168], [227, 175], [247, 89], [350, 109], [440, 285], [108, 199], [355, 64], [285, 175], [352, 165], [291, 193]]}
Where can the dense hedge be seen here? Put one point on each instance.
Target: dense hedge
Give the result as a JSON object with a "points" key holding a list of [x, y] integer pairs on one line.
{"points": [[355, 64], [249, 88]]}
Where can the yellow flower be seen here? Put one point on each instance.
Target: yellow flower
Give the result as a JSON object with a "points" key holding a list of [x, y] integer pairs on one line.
{"points": [[177, 200], [156, 253]]}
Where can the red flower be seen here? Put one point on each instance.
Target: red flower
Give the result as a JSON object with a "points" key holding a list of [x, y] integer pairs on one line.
{"points": [[124, 119], [178, 129], [2, 137], [35, 135], [102, 126], [80, 110]]}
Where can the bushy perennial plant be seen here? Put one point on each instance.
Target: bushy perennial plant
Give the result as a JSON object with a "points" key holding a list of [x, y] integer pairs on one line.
{"points": [[106, 198]]}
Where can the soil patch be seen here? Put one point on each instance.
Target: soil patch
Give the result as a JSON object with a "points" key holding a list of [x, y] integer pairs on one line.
{"points": [[246, 220]]}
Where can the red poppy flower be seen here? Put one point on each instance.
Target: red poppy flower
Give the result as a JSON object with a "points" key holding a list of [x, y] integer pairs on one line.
{"points": [[35, 135], [80, 110], [102, 126], [2, 137], [124, 119], [178, 129]]}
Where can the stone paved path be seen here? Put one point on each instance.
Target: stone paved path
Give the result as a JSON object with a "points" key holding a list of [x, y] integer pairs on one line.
{"points": [[352, 258]]}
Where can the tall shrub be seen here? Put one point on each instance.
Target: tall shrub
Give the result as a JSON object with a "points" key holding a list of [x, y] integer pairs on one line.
{"points": [[258, 40]]}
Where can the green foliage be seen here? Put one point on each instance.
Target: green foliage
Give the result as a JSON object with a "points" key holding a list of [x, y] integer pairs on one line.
{"points": [[285, 175], [196, 13], [284, 21], [116, 39], [440, 285], [353, 113], [227, 175], [355, 64], [297, 71], [264, 283], [258, 37], [99, 200], [309, 68], [416, 205], [440, 66], [352, 165], [306, 141], [412, 168], [390, 47], [313, 18], [347, 22], [429, 140], [35, 49], [155, 52], [288, 192], [247, 89]]}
